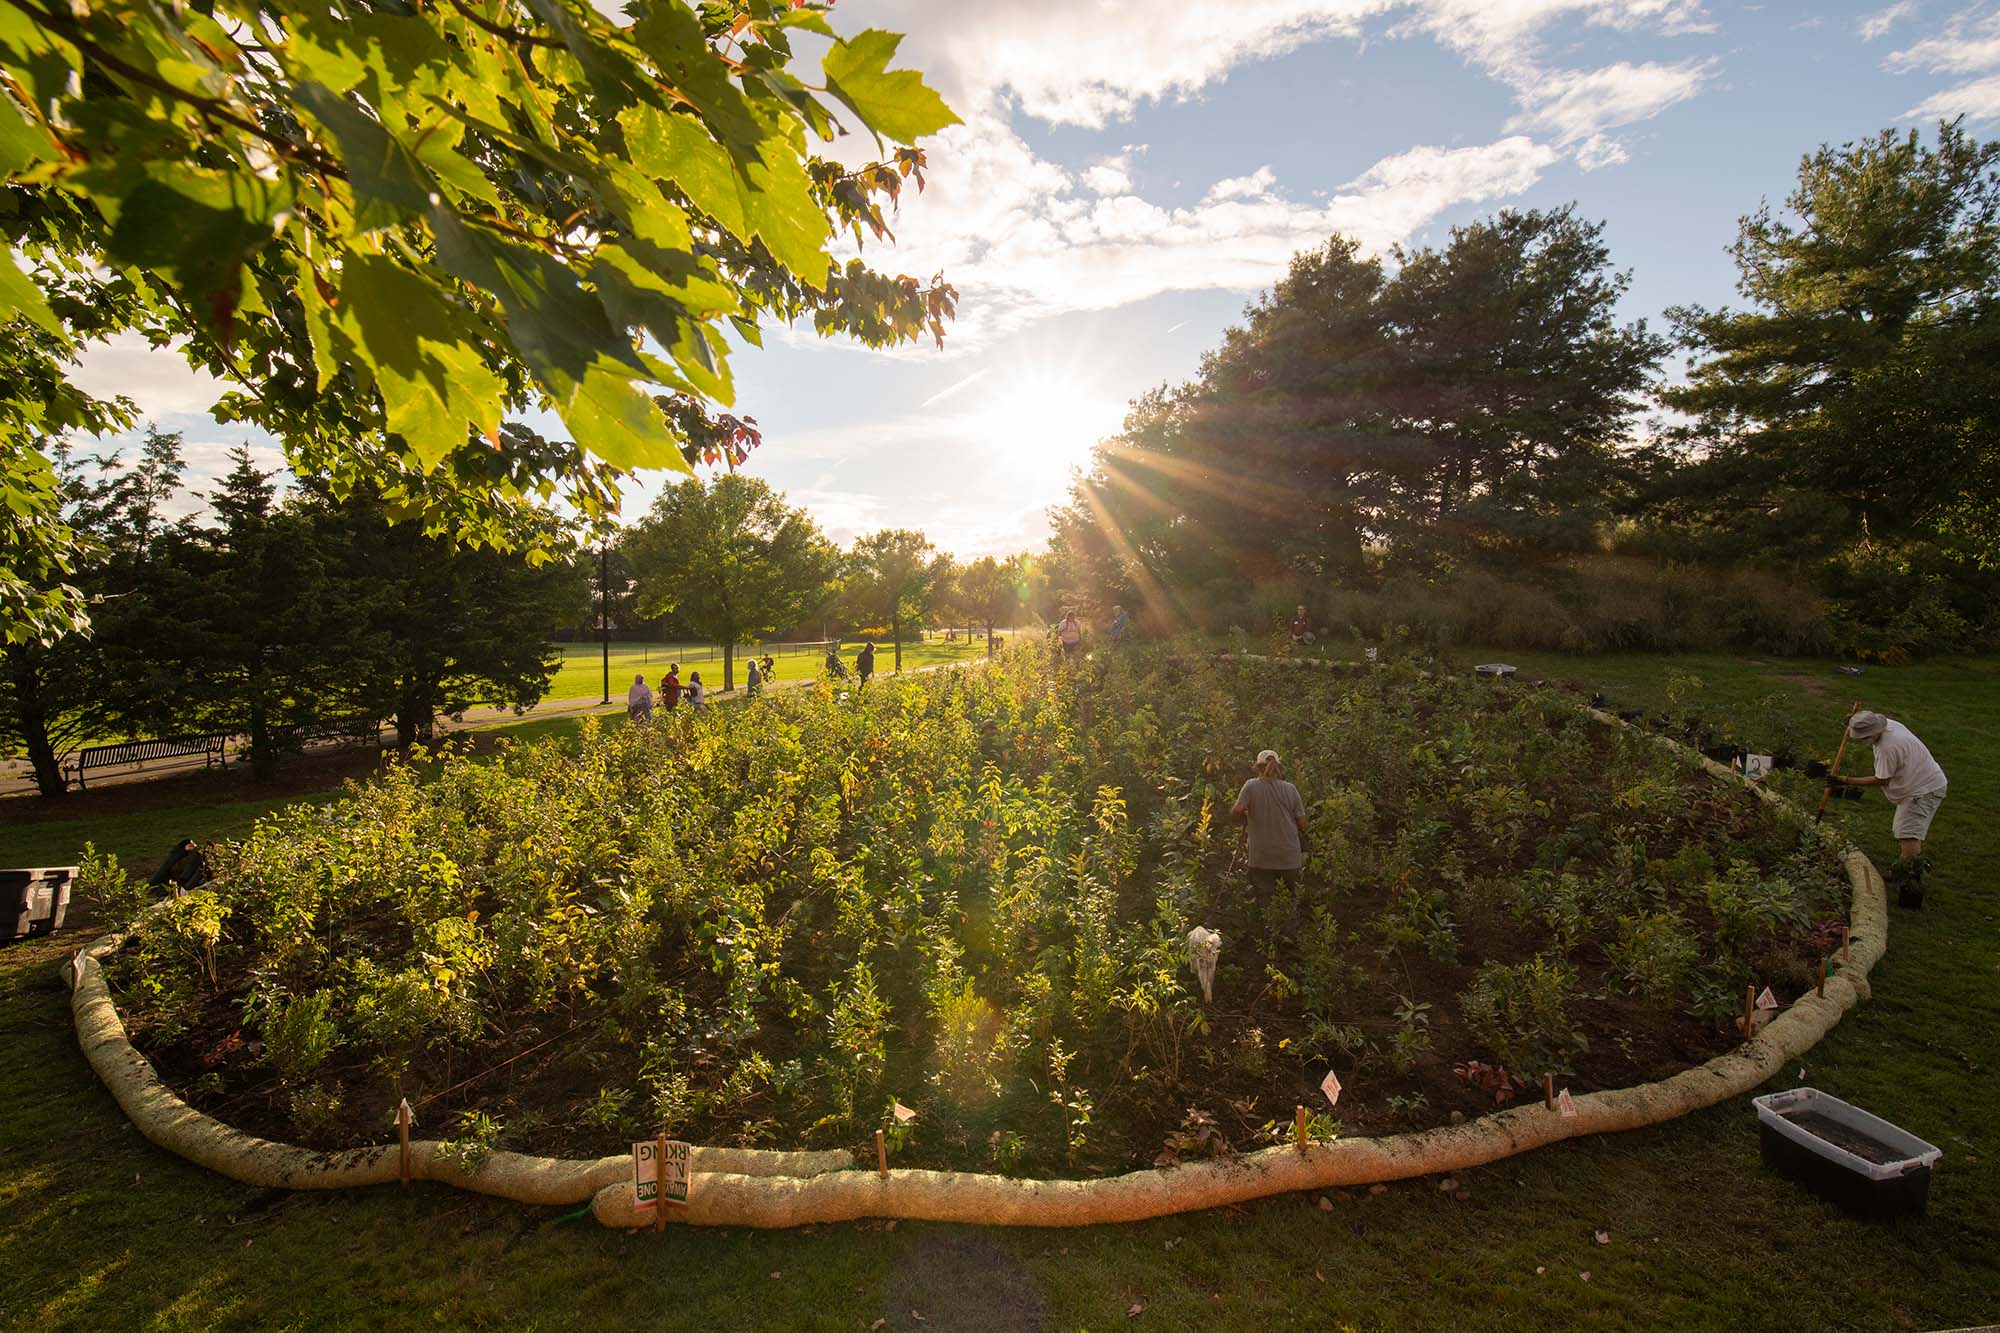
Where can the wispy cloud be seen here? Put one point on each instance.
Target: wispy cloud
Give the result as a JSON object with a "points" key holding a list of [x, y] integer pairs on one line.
{"points": [[1877, 25], [1968, 43]]}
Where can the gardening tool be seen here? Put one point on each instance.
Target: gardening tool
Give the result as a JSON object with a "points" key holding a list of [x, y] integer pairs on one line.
{"points": [[1833, 773]]}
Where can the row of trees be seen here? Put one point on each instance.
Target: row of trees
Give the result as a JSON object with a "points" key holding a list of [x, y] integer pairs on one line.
{"points": [[728, 560], [270, 617], [1479, 406]]}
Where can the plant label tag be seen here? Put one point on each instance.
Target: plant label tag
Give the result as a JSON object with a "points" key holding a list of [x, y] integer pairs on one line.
{"points": [[1756, 767], [1330, 1085], [1564, 1106], [904, 1115], [1767, 1000], [646, 1174]]}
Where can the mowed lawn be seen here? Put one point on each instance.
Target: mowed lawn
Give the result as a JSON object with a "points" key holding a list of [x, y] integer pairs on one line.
{"points": [[581, 675], [103, 1231]]}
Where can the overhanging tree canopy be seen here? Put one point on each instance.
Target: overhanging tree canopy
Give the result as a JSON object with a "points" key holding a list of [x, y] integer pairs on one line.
{"points": [[389, 226]]}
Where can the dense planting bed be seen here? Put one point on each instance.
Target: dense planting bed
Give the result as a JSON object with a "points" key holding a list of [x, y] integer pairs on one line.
{"points": [[969, 892]]}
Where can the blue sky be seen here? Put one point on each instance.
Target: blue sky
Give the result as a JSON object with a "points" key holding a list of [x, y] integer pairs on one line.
{"points": [[1131, 172]]}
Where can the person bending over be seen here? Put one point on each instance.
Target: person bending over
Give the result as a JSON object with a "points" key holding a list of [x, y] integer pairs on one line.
{"points": [[1914, 784], [639, 700], [1273, 818]]}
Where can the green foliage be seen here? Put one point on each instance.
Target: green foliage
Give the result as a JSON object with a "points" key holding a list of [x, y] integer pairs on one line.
{"points": [[1656, 955], [730, 560], [388, 228], [762, 925], [1523, 1014], [303, 1035]]}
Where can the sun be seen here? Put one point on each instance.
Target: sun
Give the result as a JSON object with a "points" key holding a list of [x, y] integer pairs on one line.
{"points": [[1045, 418]]}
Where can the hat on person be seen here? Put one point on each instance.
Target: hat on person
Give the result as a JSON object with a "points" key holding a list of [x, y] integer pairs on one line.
{"points": [[1867, 726], [1267, 756]]}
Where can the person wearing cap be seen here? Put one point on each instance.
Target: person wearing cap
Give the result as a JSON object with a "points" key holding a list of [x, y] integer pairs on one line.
{"points": [[1273, 817], [1914, 784]]}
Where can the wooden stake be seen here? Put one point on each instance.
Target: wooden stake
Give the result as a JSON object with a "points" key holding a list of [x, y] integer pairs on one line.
{"points": [[881, 1155], [1749, 1009], [403, 1139], [660, 1181], [1299, 1121], [1846, 944], [1826, 966], [1549, 1091]]}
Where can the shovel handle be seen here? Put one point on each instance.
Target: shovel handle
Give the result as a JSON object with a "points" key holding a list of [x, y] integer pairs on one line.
{"points": [[1833, 774]]}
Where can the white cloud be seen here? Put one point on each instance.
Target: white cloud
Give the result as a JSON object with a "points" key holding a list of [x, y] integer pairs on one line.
{"points": [[160, 382], [1978, 100], [1580, 105], [1023, 238], [1600, 151], [1113, 175], [1877, 25], [1969, 43]]}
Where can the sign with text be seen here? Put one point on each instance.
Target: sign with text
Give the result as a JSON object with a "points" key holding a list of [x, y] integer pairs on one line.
{"points": [[1330, 1085], [650, 1170]]}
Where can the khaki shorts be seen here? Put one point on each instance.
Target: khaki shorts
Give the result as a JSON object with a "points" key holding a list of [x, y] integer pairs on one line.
{"points": [[1913, 816]]}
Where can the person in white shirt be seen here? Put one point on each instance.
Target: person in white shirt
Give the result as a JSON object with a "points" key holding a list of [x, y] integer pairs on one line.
{"points": [[1914, 784], [697, 693], [639, 700], [1070, 631]]}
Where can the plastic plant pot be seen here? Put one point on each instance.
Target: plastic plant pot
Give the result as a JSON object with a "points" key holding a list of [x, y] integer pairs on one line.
{"points": [[1845, 1155]]}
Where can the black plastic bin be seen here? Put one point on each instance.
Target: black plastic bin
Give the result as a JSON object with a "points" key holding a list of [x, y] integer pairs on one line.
{"points": [[1883, 1171], [33, 902]]}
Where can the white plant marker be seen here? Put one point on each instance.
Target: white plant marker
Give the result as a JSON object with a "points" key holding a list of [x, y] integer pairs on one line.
{"points": [[1767, 1000], [1330, 1085], [904, 1115], [1564, 1106], [1756, 767], [1204, 946]]}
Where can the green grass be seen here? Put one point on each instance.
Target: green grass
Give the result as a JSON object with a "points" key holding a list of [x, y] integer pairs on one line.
{"points": [[581, 675], [103, 1231]]}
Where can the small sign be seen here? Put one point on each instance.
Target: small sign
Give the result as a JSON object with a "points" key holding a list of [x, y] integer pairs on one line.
{"points": [[1564, 1106], [904, 1115], [1330, 1085], [646, 1173], [1767, 1000], [1756, 767], [674, 1171]]}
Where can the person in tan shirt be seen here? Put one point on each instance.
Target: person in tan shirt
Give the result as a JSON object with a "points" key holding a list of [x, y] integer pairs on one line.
{"points": [[1273, 818]]}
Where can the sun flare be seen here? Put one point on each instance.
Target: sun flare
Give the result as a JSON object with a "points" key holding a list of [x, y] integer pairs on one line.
{"points": [[1046, 417]]}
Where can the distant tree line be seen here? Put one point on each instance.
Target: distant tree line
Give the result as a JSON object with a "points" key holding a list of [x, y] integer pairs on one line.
{"points": [[272, 617], [1467, 436], [727, 560]]}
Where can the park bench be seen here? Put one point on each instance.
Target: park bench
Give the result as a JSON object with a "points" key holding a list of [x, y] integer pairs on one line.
{"points": [[212, 750]]}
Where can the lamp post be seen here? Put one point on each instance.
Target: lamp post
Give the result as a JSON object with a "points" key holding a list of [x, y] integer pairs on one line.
{"points": [[604, 611]]}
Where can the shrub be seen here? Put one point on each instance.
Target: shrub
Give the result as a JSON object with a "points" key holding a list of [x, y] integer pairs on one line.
{"points": [[1655, 954], [971, 1056], [1521, 1014], [303, 1035]]}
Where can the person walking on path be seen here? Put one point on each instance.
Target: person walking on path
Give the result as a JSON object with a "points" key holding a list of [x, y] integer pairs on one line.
{"points": [[1119, 624], [696, 693], [1071, 634], [864, 661], [753, 682], [639, 701], [670, 688], [1273, 817], [1914, 784]]}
